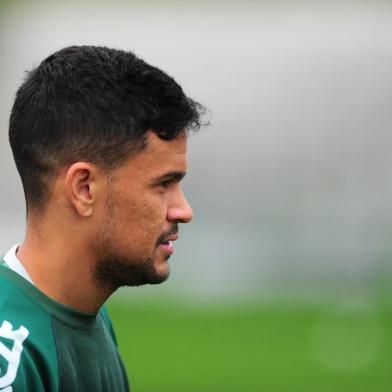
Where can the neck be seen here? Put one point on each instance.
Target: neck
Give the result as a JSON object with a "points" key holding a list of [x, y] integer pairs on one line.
{"points": [[60, 267]]}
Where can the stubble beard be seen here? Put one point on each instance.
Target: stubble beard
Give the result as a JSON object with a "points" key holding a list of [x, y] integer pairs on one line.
{"points": [[114, 270], [112, 273]]}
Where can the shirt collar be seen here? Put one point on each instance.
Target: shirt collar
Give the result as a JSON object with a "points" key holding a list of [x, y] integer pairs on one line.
{"points": [[14, 263]]}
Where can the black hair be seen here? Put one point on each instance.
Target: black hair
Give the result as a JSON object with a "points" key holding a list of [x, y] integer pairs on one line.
{"points": [[95, 104]]}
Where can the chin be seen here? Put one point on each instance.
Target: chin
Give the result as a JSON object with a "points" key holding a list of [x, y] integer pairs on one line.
{"points": [[114, 273], [163, 270]]}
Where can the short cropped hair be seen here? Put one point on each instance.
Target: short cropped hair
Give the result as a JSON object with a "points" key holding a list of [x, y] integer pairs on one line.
{"points": [[94, 104]]}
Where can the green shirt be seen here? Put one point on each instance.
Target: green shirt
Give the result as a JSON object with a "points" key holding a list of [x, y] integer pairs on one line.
{"points": [[46, 346]]}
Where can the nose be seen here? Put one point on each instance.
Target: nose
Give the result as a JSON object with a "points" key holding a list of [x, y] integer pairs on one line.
{"points": [[179, 211]]}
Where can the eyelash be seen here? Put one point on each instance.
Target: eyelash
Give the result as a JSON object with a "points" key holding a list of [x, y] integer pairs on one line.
{"points": [[165, 184]]}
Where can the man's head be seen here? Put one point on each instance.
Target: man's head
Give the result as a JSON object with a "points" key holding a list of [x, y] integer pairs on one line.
{"points": [[107, 132]]}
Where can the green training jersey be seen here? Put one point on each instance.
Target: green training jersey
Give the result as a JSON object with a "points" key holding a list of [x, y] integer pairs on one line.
{"points": [[49, 347]]}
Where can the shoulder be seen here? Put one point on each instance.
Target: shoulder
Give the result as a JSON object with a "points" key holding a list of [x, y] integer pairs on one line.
{"points": [[26, 341], [27, 363], [17, 306]]}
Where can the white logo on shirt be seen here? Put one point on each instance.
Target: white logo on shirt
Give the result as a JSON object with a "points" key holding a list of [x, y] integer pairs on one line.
{"points": [[11, 356]]}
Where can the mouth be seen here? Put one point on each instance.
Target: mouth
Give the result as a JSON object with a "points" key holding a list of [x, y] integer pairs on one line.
{"points": [[166, 245]]}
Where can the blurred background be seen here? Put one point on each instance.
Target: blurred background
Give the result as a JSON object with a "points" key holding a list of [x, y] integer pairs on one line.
{"points": [[283, 280]]}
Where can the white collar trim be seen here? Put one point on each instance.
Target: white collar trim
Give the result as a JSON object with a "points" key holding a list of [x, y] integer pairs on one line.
{"points": [[14, 263]]}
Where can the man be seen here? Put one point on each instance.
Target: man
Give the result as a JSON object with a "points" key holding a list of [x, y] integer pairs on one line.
{"points": [[99, 139]]}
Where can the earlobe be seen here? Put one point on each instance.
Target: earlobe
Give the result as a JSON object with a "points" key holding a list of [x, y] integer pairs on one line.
{"points": [[80, 187]]}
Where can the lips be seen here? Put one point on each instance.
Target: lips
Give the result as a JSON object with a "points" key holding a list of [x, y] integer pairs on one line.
{"points": [[171, 238], [167, 248], [166, 244]]}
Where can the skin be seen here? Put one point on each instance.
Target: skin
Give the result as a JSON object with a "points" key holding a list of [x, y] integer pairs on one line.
{"points": [[99, 229]]}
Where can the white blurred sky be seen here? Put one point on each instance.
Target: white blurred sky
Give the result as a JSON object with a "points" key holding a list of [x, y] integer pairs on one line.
{"points": [[291, 185]]}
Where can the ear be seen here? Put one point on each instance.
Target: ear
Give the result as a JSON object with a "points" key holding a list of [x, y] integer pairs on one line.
{"points": [[82, 187]]}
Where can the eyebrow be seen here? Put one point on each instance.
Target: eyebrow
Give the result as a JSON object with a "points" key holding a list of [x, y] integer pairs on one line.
{"points": [[173, 175]]}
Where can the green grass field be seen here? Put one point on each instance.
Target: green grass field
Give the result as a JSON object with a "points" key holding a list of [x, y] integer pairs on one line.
{"points": [[187, 348]]}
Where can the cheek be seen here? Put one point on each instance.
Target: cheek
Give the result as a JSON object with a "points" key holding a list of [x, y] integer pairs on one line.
{"points": [[144, 222]]}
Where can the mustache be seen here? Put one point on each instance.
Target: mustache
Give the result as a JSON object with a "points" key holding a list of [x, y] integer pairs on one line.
{"points": [[173, 230]]}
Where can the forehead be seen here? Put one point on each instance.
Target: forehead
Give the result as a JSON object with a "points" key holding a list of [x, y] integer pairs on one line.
{"points": [[156, 145], [158, 157]]}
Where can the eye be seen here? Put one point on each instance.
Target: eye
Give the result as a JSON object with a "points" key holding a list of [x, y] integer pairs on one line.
{"points": [[165, 184]]}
